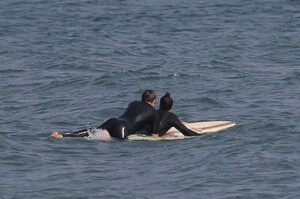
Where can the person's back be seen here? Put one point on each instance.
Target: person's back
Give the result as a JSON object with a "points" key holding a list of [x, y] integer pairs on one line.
{"points": [[169, 119], [138, 114]]}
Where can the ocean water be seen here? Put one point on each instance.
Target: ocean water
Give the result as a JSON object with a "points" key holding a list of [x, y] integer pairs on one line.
{"points": [[67, 65]]}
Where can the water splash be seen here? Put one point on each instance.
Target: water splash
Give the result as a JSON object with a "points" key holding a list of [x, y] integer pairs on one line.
{"points": [[98, 134], [176, 75]]}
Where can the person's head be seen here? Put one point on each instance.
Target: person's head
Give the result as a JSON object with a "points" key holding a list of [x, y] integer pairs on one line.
{"points": [[149, 96], [166, 102]]}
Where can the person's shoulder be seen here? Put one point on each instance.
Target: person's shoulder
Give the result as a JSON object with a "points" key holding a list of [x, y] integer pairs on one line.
{"points": [[141, 104], [165, 113], [162, 112], [134, 103], [171, 114]]}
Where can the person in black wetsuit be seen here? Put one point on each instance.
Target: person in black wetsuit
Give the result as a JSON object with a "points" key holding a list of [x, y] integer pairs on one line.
{"points": [[137, 115], [169, 119]]}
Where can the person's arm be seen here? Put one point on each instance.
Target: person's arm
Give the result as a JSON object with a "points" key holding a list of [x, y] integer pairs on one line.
{"points": [[156, 122], [182, 128]]}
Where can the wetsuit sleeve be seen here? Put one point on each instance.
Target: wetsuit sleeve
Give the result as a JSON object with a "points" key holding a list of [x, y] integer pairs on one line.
{"points": [[181, 127], [81, 133], [156, 122]]}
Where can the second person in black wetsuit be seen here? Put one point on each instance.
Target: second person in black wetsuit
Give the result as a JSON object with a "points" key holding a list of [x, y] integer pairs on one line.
{"points": [[137, 115], [169, 119]]}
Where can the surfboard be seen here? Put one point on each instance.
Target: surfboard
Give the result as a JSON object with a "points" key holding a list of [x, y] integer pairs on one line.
{"points": [[199, 127]]}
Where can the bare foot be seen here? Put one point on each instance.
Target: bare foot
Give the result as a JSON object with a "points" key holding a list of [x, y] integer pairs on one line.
{"points": [[57, 135]]}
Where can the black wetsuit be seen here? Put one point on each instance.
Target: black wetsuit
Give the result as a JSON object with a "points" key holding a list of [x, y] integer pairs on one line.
{"points": [[169, 120], [137, 115]]}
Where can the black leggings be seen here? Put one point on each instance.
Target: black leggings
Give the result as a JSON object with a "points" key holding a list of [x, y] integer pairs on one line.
{"points": [[117, 128], [81, 133]]}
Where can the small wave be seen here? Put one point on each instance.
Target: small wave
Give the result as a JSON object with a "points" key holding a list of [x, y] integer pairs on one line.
{"points": [[176, 75], [103, 79], [72, 82], [221, 90], [148, 68], [292, 78], [210, 101], [11, 71], [103, 19], [180, 75]]}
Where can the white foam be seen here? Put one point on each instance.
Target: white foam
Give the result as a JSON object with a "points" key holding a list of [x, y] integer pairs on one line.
{"points": [[98, 134]]}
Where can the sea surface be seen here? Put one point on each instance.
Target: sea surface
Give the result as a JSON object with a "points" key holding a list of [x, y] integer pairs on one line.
{"points": [[66, 65]]}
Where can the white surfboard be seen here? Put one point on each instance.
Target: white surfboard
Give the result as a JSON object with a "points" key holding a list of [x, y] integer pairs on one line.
{"points": [[199, 127]]}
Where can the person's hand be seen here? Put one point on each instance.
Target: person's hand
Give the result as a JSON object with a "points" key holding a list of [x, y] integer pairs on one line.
{"points": [[185, 123], [57, 135], [155, 135]]}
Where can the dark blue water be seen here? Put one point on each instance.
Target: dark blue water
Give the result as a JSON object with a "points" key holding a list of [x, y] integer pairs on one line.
{"points": [[66, 65]]}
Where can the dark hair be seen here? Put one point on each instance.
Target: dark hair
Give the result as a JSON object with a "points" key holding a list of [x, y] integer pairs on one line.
{"points": [[148, 96], [166, 102]]}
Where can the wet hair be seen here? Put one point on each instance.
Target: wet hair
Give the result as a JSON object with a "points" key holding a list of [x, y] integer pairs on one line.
{"points": [[148, 96], [166, 102]]}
